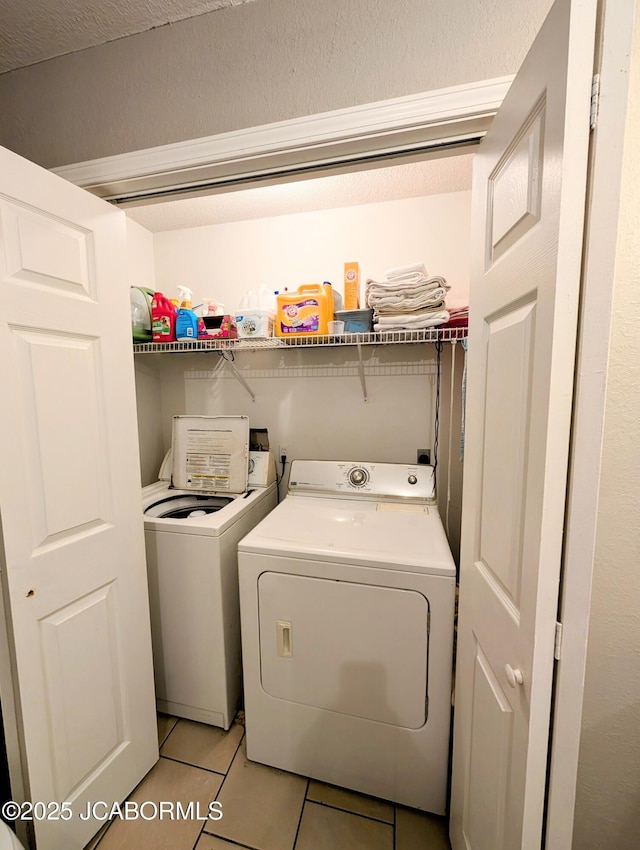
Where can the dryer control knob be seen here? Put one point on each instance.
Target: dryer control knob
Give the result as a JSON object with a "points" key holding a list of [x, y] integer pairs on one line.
{"points": [[412, 479], [358, 476]]}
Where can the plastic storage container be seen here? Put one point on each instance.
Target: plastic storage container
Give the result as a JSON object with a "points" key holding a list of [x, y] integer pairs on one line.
{"points": [[305, 312], [356, 321], [141, 299], [335, 295], [255, 324]]}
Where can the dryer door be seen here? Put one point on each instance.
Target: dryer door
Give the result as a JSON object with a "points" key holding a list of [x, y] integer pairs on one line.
{"points": [[355, 649]]}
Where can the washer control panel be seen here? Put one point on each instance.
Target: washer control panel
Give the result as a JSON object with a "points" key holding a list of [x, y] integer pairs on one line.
{"points": [[394, 481]]}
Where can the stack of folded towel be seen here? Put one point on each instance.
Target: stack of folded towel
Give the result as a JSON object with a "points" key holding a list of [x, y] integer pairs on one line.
{"points": [[458, 317], [407, 299]]}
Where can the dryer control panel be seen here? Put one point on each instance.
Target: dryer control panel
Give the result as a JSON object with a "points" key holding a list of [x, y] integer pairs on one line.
{"points": [[345, 479]]}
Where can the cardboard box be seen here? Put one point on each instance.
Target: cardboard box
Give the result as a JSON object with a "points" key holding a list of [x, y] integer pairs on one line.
{"points": [[217, 327], [351, 286]]}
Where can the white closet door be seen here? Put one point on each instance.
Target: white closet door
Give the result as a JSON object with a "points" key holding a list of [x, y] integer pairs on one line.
{"points": [[528, 207], [73, 564]]}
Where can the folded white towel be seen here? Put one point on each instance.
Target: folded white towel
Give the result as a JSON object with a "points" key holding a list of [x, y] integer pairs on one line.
{"points": [[420, 284], [424, 311], [411, 322], [390, 302], [404, 271]]}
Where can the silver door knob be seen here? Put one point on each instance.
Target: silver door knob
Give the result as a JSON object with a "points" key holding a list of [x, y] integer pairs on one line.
{"points": [[514, 677]]}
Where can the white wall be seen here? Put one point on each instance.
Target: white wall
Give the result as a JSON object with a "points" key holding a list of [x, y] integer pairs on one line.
{"points": [[140, 256], [255, 64], [226, 260], [311, 400], [141, 272]]}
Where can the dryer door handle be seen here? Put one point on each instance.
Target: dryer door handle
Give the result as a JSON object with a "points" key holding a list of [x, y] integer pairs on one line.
{"points": [[284, 640]]}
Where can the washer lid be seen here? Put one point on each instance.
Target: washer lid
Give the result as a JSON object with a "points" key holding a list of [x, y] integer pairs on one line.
{"points": [[210, 454], [368, 533]]}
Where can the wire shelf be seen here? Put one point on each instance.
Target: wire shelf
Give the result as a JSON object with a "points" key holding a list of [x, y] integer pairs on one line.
{"points": [[315, 341]]}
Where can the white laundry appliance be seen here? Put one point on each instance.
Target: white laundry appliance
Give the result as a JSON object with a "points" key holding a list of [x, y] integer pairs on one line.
{"points": [[8, 839], [193, 523], [347, 593]]}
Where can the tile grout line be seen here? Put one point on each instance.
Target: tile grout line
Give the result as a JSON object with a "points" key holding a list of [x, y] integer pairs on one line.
{"points": [[168, 735], [235, 755], [390, 823], [191, 764], [304, 803], [228, 841]]}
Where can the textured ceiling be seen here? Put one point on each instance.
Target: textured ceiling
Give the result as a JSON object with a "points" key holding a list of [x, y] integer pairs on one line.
{"points": [[34, 30], [413, 180]]}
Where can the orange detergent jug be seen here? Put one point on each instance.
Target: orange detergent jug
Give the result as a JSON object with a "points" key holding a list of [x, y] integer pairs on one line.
{"points": [[304, 312]]}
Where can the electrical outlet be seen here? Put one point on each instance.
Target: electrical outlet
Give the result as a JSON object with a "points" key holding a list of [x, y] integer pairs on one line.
{"points": [[424, 456], [282, 452]]}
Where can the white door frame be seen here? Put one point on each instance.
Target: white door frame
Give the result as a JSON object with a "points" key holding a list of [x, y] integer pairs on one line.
{"points": [[417, 122], [613, 55]]}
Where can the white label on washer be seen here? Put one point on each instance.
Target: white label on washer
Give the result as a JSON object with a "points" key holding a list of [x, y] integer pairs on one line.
{"points": [[210, 453], [208, 460]]}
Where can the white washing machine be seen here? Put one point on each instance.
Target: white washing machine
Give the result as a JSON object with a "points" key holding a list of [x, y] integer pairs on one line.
{"points": [[191, 536], [347, 600]]}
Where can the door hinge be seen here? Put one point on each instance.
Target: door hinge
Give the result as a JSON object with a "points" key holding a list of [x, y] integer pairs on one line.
{"points": [[595, 101], [557, 644]]}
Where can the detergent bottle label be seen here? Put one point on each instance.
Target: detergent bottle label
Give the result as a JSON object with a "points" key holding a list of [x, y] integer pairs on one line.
{"points": [[302, 317], [161, 327]]}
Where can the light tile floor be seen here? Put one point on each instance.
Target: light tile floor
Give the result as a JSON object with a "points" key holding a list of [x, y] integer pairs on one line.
{"points": [[263, 808]]}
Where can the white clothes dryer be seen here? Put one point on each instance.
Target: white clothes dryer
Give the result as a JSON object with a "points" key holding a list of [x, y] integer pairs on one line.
{"points": [[191, 543], [347, 593]]}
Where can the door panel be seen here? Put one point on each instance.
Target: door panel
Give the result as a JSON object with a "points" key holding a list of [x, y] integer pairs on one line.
{"points": [[491, 744], [67, 475], [508, 344], [529, 192], [514, 187], [88, 724], [72, 554], [46, 251]]}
